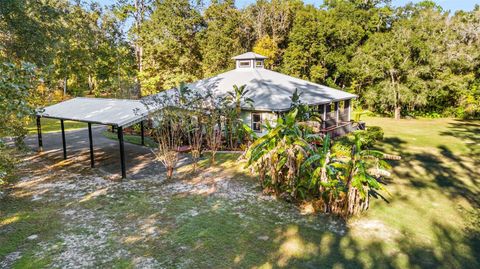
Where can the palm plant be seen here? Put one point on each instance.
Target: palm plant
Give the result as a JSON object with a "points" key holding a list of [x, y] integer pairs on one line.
{"points": [[235, 99], [237, 96]]}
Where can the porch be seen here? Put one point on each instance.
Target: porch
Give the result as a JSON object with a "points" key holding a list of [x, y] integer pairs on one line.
{"points": [[336, 118]]}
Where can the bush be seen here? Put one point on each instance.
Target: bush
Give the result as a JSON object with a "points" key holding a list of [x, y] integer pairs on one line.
{"points": [[371, 135], [6, 163], [368, 137]]}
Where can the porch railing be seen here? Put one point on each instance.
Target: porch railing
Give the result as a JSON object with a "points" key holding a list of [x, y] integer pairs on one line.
{"points": [[342, 128]]}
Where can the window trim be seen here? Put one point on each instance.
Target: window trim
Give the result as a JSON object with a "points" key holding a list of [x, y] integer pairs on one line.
{"points": [[245, 64], [259, 63], [253, 122]]}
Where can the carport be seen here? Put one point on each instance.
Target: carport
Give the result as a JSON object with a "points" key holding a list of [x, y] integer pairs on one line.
{"points": [[118, 113]]}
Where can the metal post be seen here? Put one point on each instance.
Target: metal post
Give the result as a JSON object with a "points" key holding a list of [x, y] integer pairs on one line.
{"points": [[39, 133], [349, 111], [142, 131], [92, 160], [122, 150], [64, 143], [337, 110], [324, 116]]}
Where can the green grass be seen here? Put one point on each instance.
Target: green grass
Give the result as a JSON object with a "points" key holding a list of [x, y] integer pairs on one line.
{"points": [[133, 139], [435, 189], [431, 220], [458, 136], [53, 125]]}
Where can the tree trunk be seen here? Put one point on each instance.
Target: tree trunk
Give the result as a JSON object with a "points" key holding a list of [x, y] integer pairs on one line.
{"points": [[139, 17], [397, 108], [397, 112], [212, 158], [90, 84], [169, 172], [65, 87]]}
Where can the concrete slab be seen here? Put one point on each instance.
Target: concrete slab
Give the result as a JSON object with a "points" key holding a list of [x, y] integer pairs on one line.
{"points": [[140, 160]]}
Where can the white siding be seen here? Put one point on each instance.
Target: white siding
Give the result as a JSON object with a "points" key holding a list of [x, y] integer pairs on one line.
{"points": [[246, 117]]}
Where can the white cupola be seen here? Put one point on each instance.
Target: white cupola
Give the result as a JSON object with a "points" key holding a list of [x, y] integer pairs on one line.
{"points": [[249, 60]]}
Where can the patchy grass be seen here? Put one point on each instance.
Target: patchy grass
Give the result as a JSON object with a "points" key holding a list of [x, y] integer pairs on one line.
{"points": [[53, 125], [22, 225], [219, 218]]}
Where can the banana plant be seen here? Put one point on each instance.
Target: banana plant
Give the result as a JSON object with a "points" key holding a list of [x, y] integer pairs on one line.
{"points": [[361, 172], [278, 155]]}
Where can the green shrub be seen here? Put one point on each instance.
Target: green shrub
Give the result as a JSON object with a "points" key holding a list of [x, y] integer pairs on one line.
{"points": [[368, 137], [6, 163]]}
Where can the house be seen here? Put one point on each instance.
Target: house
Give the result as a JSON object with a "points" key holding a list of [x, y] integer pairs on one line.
{"points": [[271, 93]]}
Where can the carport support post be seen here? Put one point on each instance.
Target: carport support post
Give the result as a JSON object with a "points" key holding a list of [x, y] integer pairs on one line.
{"points": [[39, 133], [64, 143], [142, 131], [122, 150], [92, 160]]}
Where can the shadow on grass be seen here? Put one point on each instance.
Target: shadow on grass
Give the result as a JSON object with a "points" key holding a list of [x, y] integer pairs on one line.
{"points": [[443, 167], [218, 237]]}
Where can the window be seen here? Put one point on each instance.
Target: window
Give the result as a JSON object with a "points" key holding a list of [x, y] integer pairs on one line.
{"points": [[244, 64], [258, 63], [257, 122]]}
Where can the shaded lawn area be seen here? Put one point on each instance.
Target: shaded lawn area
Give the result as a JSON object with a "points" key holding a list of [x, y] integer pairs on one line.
{"points": [[133, 139], [53, 125], [218, 217]]}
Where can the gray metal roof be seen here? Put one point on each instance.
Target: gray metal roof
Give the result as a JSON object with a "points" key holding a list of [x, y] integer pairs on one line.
{"points": [[270, 91], [118, 112], [249, 56]]}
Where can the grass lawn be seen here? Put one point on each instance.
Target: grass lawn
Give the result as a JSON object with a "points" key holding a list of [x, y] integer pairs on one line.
{"points": [[53, 125], [56, 216], [134, 139]]}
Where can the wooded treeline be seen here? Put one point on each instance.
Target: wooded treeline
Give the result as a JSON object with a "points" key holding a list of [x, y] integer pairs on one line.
{"points": [[410, 60]]}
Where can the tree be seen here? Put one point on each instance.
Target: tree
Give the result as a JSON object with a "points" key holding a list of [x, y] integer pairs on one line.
{"points": [[323, 41], [272, 19], [267, 47], [171, 51], [79, 48], [220, 38], [17, 105], [17, 98], [412, 67]]}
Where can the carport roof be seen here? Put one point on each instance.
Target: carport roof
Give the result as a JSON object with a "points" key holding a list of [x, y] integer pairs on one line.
{"points": [[117, 112]]}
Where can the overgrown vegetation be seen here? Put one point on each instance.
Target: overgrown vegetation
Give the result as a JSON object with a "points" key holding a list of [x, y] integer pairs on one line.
{"points": [[297, 164]]}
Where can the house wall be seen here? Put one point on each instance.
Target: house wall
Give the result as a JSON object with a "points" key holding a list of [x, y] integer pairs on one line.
{"points": [[246, 117]]}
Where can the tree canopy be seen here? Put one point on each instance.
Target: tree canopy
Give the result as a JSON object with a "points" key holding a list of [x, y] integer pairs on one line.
{"points": [[413, 60]]}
